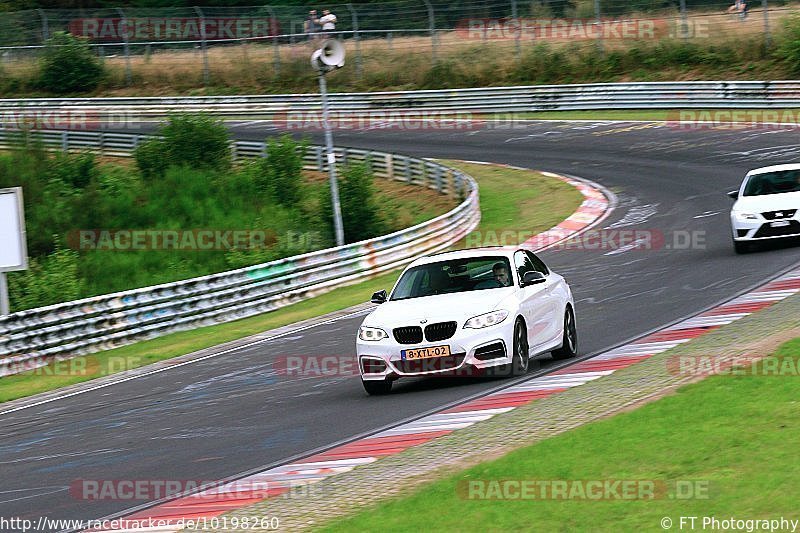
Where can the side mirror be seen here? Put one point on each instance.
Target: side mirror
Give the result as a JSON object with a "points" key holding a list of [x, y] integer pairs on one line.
{"points": [[734, 194], [379, 297], [532, 277]]}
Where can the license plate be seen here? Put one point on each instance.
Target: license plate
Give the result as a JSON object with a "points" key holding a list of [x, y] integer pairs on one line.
{"points": [[779, 223], [425, 353]]}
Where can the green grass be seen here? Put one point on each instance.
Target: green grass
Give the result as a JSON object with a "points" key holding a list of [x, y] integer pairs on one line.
{"points": [[734, 435], [539, 203]]}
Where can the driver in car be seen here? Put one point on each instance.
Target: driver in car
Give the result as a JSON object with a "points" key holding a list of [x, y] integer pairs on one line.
{"points": [[501, 274]]}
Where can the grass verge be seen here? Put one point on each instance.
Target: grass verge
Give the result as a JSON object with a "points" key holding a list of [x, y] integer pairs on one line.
{"points": [[727, 433], [538, 204]]}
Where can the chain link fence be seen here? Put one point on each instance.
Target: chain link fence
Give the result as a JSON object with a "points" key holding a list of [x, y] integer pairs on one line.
{"points": [[205, 38]]}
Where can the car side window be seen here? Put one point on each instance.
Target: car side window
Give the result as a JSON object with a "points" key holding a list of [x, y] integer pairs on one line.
{"points": [[537, 263], [522, 263]]}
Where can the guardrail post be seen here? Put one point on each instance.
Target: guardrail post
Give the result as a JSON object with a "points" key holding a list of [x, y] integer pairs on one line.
{"points": [[431, 28], [409, 176], [437, 175], [234, 150], [451, 183], [203, 43], [65, 141], [389, 166], [101, 142], [126, 46], [767, 36], [320, 164], [45, 24], [599, 25], [368, 161], [357, 39]]}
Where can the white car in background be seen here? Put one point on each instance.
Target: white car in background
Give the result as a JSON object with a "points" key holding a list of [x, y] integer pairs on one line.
{"points": [[484, 308], [767, 206]]}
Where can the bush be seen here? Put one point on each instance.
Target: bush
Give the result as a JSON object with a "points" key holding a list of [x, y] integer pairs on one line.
{"points": [[360, 211], [68, 65], [282, 170], [151, 158], [788, 49], [47, 281], [194, 140]]}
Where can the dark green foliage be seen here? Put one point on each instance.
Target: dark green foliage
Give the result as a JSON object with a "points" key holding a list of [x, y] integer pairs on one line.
{"points": [[67, 193], [281, 172], [361, 215], [194, 140], [788, 49], [49, 280], [68, 65]]}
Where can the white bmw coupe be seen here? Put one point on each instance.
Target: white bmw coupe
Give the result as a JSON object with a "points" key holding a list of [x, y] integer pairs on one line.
{"points": [[767, 206], [485, 308]]}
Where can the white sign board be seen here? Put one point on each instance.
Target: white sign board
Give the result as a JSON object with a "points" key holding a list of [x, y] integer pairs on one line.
{"points": [[13, 251]]}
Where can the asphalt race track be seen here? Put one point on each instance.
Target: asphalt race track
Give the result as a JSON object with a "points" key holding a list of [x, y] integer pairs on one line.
{"points": [[221, 416]]}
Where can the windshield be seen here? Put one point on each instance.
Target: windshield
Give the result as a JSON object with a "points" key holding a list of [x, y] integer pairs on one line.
{"points": [[773, 183], [456, 275]]}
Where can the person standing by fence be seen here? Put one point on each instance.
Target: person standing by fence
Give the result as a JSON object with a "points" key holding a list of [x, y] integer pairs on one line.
{"points": [[311, 25], [328, 22]]}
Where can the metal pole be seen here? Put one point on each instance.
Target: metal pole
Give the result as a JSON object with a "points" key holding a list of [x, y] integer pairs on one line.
{"points": [[337, 208], [45, 25], [273, 33], [4, 307], [767, 36], [357, 39], [128, 74], [203, 44], [515, 17], [432, 29], [684, 21], [599, 25]]}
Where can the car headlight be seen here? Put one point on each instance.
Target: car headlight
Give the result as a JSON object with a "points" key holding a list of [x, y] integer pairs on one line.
{"points": [[486, 319], [366, 333], [746, 216]]}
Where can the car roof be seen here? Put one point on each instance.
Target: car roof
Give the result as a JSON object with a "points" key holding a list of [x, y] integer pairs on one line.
{"points": [[503, 251], [774, 168]]}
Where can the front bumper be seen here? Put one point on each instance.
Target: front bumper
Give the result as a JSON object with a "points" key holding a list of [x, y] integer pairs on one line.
{"points": [[761, 229], [463, 347]]}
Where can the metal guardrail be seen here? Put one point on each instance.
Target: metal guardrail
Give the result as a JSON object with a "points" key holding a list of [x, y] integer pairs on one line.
{"points": [[290, 107], [32, 338]]}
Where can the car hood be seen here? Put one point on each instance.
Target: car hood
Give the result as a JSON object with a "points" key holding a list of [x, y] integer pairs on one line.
{"points": [[768, 202], [443, 307]]}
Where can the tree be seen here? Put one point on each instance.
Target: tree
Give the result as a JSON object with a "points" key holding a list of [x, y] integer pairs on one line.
{"points": [[68, 65]]}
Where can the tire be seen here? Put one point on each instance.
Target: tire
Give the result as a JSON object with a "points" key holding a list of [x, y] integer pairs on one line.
{"points": [[520, 358], [741, 247], [377, 388], [569, 346]]}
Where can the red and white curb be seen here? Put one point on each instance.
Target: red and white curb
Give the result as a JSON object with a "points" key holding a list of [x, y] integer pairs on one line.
{"points": [[598, 202], [343, 458]]}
